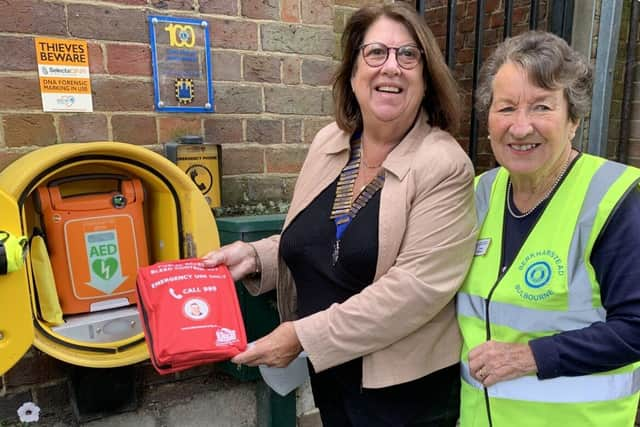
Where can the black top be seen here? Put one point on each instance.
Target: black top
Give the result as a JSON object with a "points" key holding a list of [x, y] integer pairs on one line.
{"points": [[307, 246]]}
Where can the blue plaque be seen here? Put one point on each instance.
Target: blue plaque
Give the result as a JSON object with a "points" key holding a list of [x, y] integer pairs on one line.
{"points": [[181, 59]]}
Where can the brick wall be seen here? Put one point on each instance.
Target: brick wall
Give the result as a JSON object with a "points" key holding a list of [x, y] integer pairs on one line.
{"points": [[436, 16], [272, 67], [614, 148]]}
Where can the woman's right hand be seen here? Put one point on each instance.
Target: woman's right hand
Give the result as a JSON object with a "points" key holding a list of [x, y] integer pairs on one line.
{"points": [[240, 257]]}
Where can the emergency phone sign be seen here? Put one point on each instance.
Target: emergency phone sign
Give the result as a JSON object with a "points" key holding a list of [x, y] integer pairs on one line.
{"points": [[201, 163], [63, 68]]}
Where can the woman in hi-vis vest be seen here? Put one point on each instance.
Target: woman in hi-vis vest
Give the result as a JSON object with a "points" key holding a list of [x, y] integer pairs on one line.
{"points": [[550, 309]]}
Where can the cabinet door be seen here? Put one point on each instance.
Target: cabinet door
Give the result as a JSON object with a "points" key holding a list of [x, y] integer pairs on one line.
{"points": [[16, 324]]}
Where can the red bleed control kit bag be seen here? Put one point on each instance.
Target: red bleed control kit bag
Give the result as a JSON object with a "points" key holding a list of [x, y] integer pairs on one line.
{"points": [[190, 314]]}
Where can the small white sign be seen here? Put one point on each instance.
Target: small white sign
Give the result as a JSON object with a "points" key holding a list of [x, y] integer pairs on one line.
{"points": [[482, 246]]}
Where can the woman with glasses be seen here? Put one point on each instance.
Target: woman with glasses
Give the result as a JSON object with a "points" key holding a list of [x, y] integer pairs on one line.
{"points": [[378, 238]]}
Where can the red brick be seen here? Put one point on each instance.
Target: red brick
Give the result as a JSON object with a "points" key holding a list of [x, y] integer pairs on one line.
{"points": [[83, 128], [232, 98], [354, 3], [261, 69], [219, 7], [6, 158], [223, 130], [264, 131], [492, 6], [96, 61], [496, 20], [520, 15], [130, 2], [290, 11], [122, 95], [241, 160], [32, 16], [439, 29], [317, 72], [492, 37], [312, 126], [226, 66], [634, 161], [139, 130], [464, 55], [633, 148], [339, 21], [174, 5], [461, 11], [291, 70], [170, 128], [468, 24], [129, 59], [634, 127], [17, 53], [107, 23], [234, 34], [29, 129], [484, 162], [241, 191], [293, 131], [286, 160], [298, 100], [304, 39], [260, 9], [21, 91], [435, 14], [317, 12]]}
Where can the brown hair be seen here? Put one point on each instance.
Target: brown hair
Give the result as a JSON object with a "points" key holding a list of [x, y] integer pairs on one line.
{"points": [[440, 100], [550, 64]]}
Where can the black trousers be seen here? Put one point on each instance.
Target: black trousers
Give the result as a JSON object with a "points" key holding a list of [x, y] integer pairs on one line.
{"points": [[431, 401]]}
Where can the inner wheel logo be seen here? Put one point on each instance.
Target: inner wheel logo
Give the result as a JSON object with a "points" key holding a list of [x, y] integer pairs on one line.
{"points": [[538, 274]]}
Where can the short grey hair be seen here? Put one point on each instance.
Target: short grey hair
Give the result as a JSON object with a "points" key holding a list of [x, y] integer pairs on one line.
{"points": [[550, 64]]}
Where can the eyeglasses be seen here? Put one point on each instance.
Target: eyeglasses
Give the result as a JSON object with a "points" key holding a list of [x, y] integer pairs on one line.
{"points": [[376, 54]]}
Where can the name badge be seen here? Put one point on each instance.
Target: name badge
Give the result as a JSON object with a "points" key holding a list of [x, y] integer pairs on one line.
{"points": [[482, 246]]}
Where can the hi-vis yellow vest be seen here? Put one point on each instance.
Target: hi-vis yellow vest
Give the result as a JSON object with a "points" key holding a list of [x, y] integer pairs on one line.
{"points": [[550, 287]]}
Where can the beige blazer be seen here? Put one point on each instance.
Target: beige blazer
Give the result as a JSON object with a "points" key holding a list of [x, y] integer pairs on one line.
{"points": [[403, 324]]}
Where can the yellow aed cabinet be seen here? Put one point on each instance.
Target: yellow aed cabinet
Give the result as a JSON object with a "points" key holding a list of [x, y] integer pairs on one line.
{"points": [[178, 221]]}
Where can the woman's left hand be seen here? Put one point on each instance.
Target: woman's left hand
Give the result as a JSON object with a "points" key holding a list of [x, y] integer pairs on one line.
{"points": [[277, 349], [493, 361]]}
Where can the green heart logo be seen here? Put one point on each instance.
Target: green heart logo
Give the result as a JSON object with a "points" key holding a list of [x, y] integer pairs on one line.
{"points": [[105, 268]]}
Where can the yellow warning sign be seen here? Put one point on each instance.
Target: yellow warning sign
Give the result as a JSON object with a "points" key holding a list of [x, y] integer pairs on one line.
{"points": [[63, 67], [201, 162]]}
